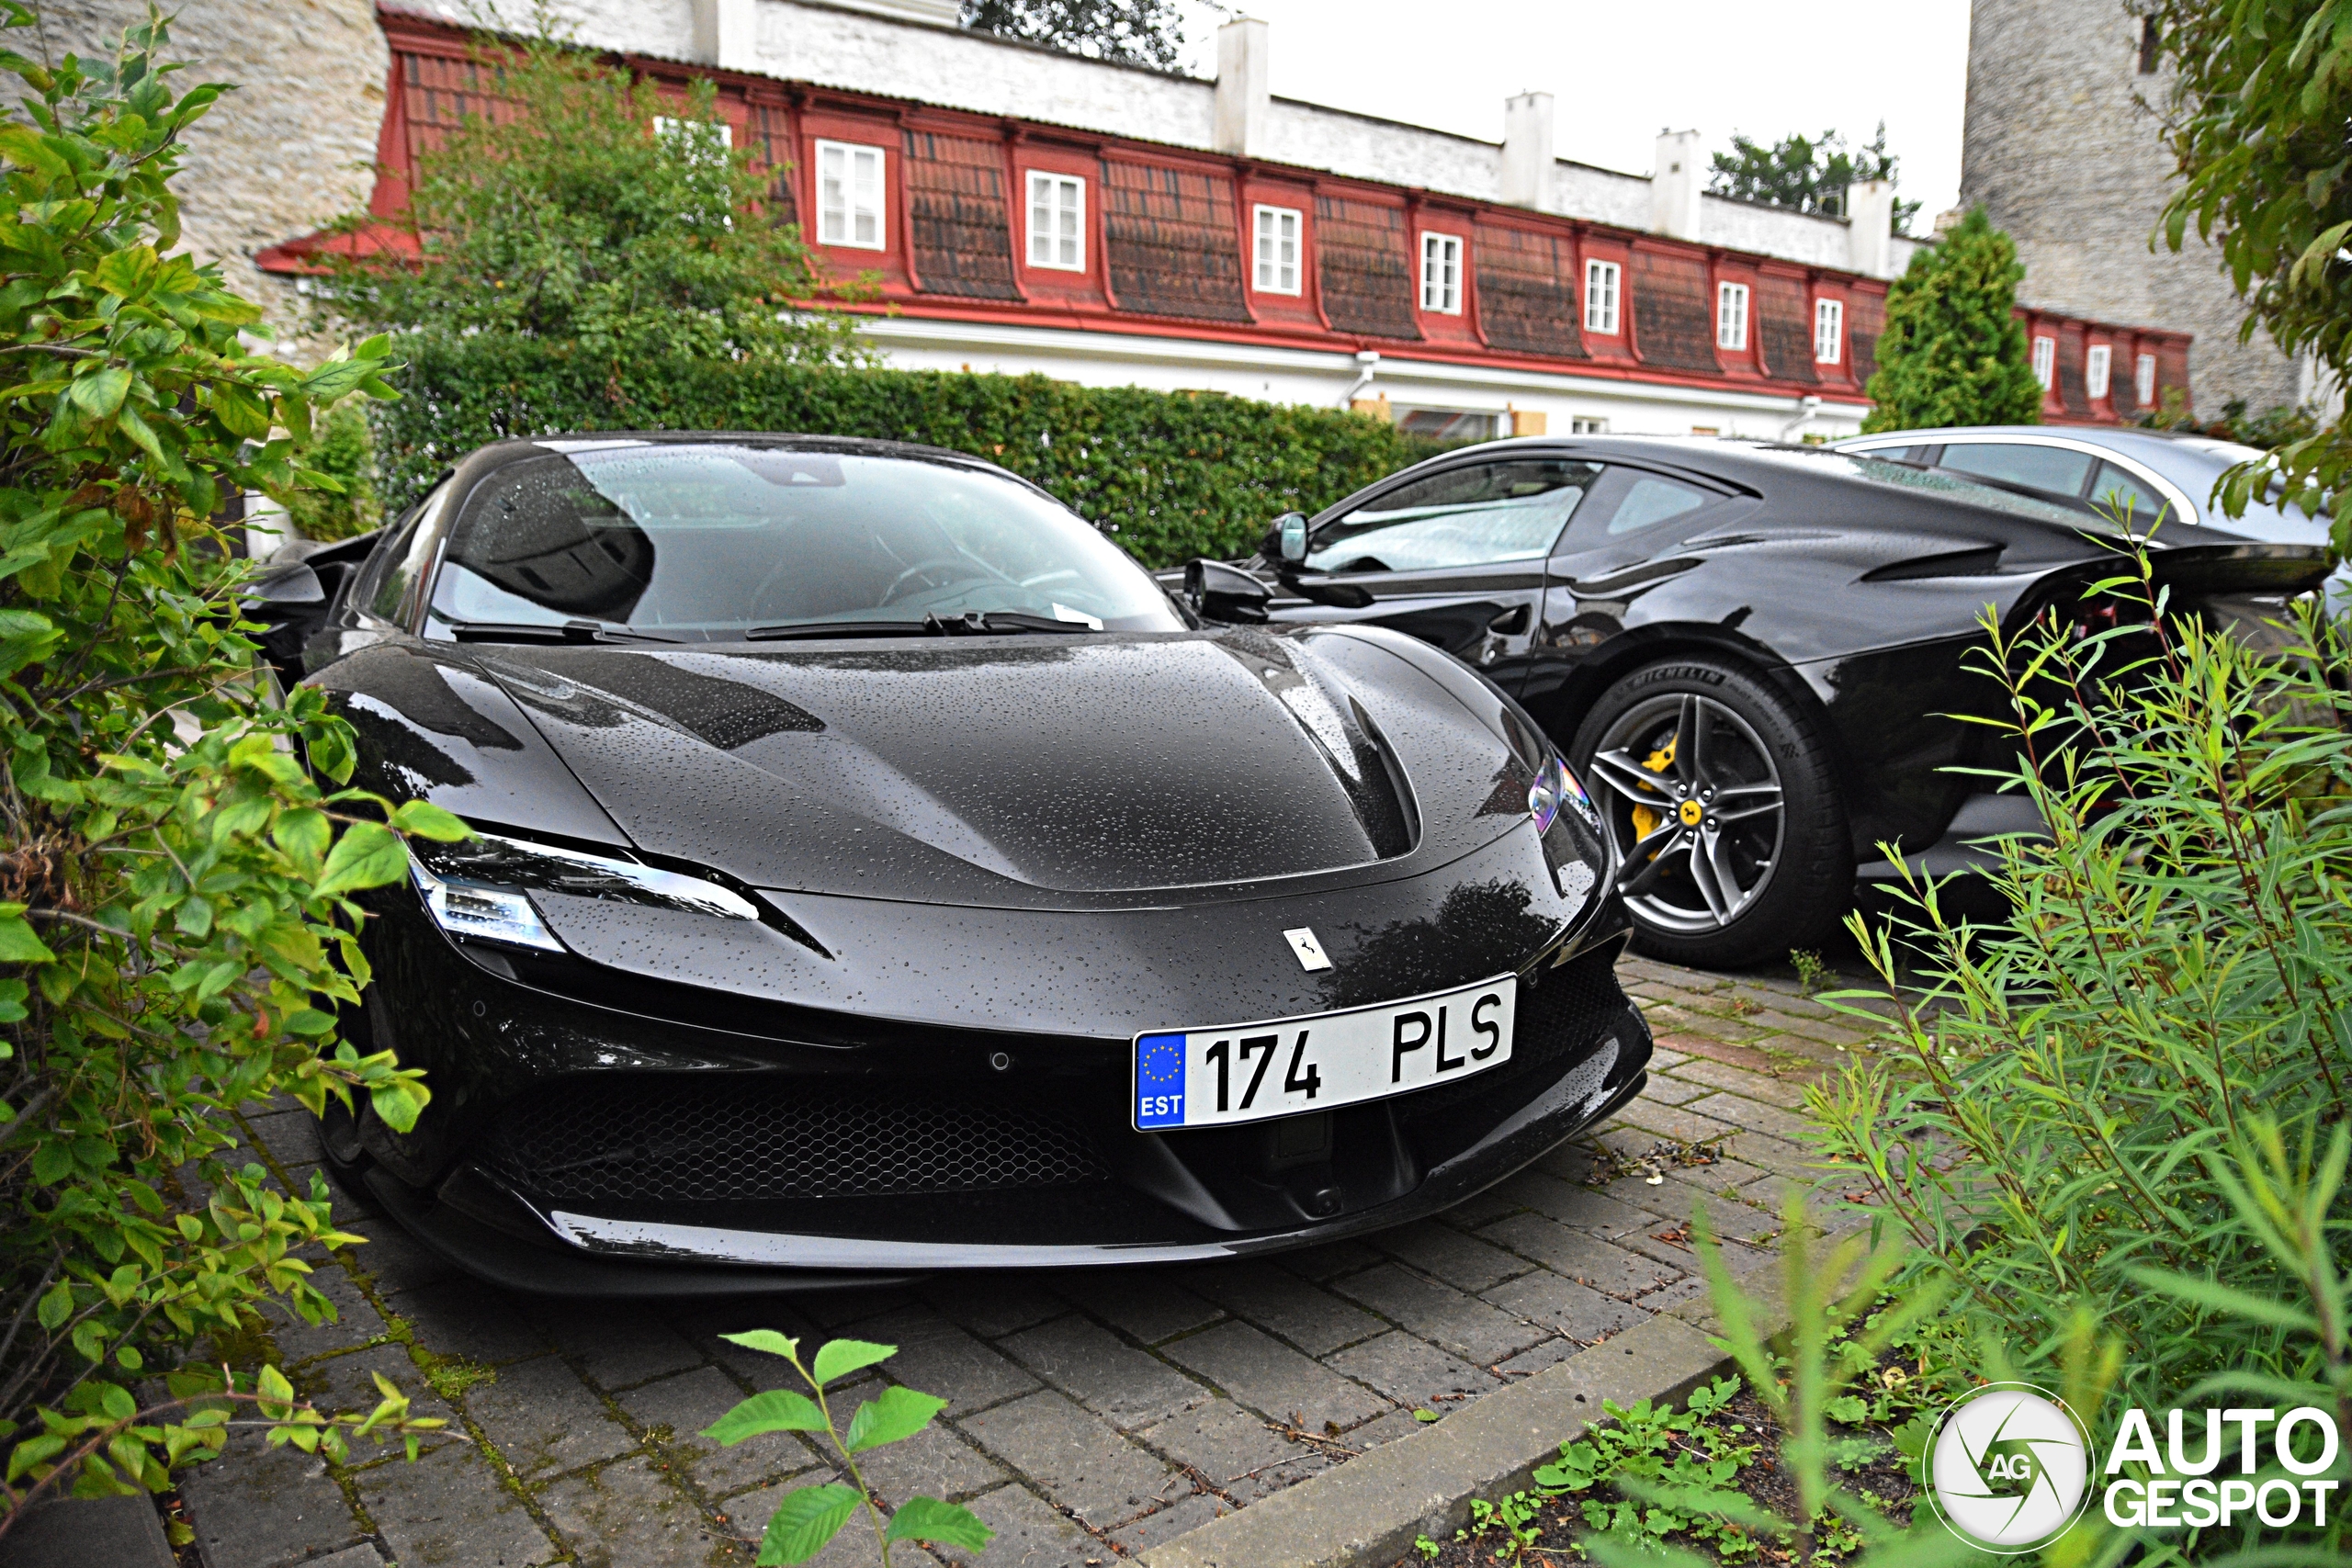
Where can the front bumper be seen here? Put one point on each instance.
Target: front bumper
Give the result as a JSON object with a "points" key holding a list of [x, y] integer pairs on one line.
{"points": [[482, 1225], [597, 1132]]}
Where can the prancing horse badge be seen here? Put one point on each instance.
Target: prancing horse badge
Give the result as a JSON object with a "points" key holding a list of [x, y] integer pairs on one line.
{"points": [[1311, 955]]}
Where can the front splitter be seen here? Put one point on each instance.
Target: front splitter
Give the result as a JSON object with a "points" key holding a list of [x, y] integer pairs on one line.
{"points": [[591, 1255]]}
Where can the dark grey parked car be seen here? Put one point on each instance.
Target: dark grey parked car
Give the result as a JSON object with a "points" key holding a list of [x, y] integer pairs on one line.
{"points": [[2144, 474]]}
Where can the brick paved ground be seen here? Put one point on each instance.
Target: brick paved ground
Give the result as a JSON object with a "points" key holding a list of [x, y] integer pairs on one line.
{"points": [[1091, 1415]]}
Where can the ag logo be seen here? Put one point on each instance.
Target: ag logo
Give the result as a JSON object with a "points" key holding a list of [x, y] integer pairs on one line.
{"points": [[2008, 1468]]}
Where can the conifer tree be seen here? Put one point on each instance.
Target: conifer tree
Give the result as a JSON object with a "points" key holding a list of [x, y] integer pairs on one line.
{"points": [[1953, 352]]}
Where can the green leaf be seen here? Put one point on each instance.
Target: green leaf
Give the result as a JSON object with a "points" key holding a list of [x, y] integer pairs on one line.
{"points": [[17, 943], [842, 1356], [766, 1339], [304, 834], [28, 149], [778, 1410], [427, 821], [27, 636], [805, 1522], [338, 376], [928, 1518], [99, 394], [897, 1413], [56, 1305], [367, 855]]}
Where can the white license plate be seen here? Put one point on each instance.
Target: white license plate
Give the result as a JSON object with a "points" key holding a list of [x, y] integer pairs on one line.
{"points": [[1246, 1072]]}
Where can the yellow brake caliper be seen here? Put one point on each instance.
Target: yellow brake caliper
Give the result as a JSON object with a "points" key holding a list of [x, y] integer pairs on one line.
{"points": [[1645, 820]]}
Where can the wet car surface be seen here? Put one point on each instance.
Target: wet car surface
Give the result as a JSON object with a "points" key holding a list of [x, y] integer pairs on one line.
{"points": [[854, 819]]}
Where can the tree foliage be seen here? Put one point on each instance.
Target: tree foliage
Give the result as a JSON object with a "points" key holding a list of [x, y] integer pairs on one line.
{"points": [[1954, 351], [1809, 174], [1127, 32], [344, 451], [176, 913], [2120, 1117], [2260, 96], [593, 208]]}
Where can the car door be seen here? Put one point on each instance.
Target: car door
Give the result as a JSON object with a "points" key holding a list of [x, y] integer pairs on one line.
{"points": [[1454, 558], [1618, 547]]}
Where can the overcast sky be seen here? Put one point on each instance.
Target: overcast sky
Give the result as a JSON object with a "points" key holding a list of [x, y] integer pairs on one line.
{"points": [[1622, 71]]}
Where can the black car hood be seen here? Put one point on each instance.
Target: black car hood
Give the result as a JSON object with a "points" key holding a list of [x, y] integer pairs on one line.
{"points": [[1088, 771]]}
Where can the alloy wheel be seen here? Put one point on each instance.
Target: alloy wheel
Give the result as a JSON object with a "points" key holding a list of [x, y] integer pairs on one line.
{"points": [[1691, 794]]}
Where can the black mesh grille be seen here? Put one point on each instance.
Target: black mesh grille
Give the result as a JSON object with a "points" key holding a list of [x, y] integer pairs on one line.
{"points": [[1560, 1015], [725, 1140]]}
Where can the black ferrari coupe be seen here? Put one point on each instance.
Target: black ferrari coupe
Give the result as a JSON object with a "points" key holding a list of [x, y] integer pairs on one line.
{"points": [[878, 871], [1753, 654]]}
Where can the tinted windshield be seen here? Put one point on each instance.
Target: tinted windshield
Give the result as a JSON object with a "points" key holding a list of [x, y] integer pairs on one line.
{"points": [[710, 541], [1902, 475]]}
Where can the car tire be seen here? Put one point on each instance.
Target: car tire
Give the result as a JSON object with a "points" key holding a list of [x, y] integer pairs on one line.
{"points": [[1747, 902]]}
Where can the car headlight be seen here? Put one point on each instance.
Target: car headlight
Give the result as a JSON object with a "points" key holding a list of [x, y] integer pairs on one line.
{"points": [[481, 889], [1555, 786]]}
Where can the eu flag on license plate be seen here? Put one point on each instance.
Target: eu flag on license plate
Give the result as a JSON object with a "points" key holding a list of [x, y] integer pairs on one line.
{"points": [[1159, 1080]]}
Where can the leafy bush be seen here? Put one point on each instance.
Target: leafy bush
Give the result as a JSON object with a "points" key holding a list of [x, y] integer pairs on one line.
{"points": [[810, 1516], [2255, 106], [2270, 430], [558, 218], [1171, 475], [2126, 1106], [1954, 351], [345, 452], [175, 916]]}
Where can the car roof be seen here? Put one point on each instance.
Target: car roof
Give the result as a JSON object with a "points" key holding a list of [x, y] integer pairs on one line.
{"points": [[860, 445], [2134, 439]]}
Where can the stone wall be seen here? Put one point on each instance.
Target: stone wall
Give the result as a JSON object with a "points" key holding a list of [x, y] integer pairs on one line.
{"points": [[2063, 153], [288, 151]]}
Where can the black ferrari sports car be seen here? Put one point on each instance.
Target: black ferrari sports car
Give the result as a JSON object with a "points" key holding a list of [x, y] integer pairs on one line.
{"points": [[879, 872], [1752, 654]]}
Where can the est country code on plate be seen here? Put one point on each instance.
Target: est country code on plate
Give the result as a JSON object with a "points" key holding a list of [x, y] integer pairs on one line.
{"points": [[1246, 1072]]}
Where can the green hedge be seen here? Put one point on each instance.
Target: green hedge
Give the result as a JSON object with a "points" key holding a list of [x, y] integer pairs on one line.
{"points": [[1171, 475]]}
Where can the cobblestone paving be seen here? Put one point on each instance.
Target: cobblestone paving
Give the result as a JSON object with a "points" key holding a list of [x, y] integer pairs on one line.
{"points": [[1091, 1415]]}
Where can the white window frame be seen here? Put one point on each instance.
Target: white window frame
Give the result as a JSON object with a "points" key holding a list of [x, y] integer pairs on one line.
{"points": [[1601, 281], [2098, 364], [1441, 272], [1588, 425], [2045, 361], [1829, 330], [842, 166], [2144, 380], [1731, 317], [1061, 246], [1279, 247]]}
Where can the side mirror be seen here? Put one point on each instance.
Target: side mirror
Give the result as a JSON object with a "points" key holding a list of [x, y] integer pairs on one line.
{"points": [[1290, 537], [293, 583], [1216, 592]]}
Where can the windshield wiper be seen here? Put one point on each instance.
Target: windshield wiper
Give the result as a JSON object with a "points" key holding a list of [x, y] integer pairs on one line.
{"points": [[1022, 621], [972, 623], [541, 631], [927, 626]]}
